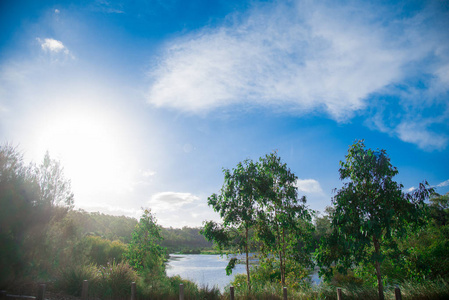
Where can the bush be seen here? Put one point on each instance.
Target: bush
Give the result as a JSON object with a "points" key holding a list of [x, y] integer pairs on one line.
{"points": [[101, 251], [115, 280], [168, 288], [70, 280]]}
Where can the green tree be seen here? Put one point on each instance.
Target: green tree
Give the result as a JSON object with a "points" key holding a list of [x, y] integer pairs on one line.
{"points": [[439, 209], [18, 193], [370, 210], [144, 252], [236, 205], [284, 222], [31, 198]]}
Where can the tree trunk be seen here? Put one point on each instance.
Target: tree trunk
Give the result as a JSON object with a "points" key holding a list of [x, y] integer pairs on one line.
{"points": [[377, 266], [248, 279], [283, 258]]}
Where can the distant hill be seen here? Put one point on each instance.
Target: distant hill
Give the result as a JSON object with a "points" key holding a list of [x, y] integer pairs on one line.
{"points": [[185, 240]]}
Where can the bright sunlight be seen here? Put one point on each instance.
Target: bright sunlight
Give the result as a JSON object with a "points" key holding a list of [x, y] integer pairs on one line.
{"points": [[91, 146]]}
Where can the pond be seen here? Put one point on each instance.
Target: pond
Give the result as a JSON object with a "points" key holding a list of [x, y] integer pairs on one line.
{"points": [[209, 270], [204, 270]]}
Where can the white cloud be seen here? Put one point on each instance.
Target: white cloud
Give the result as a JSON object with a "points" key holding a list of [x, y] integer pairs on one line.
{"points": [[417, 133], [309, 186], [301, 59], [53, 46], [171, 200], [411, 189], [309, 56], [180, 209], [444, 183]]}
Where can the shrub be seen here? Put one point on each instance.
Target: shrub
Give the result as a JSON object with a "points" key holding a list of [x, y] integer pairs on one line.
{"points": [[70, 280], [115, 280]]}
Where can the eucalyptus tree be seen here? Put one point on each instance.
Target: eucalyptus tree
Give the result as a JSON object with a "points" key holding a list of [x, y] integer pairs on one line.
{"points": [[237, 205], [55, 188], [370, 210], [30, 198], [144, 252], [283, 218]]}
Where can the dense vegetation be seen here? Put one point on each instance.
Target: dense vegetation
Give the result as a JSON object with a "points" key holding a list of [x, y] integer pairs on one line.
{"points": [[374, 235]]}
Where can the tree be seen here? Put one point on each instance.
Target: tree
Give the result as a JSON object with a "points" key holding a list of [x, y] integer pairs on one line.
{"points": [[236, 205], [370, 210], [283, 218], [55, 189], [439, 209], [18, 193], [30, 197], [144, 252]]}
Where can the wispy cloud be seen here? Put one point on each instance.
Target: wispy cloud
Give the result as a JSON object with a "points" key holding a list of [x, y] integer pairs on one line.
{"points": [[171, 200], [444, 183], [440, 185], [313, 57], [417, 133], [180, 209], [107, 7]]}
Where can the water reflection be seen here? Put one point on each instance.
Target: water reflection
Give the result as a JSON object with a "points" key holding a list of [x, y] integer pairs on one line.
{"points": [[204, 270]]}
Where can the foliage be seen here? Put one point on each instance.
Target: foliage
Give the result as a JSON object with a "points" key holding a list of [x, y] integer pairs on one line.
{"points": [[262, 197], [284, 222], [115, 280], [102, 225], [28, 208], [439, 209], [425, 251], [144, 253], [236, 205], [70, 279], [168, 288], [111, 281], [184, 240], [101, 251], [55, 189], [370, 211]]}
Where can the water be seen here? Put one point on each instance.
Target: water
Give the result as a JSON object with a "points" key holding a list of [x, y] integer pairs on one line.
{"points": [[210, 270], [204, 270]]}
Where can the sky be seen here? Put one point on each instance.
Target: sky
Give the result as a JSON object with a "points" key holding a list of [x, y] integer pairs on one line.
{"points": [[145, 102]]}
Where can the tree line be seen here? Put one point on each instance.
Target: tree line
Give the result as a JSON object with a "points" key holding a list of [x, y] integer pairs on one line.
{"points": [[373, 230], [373, 233], [41, 232]]}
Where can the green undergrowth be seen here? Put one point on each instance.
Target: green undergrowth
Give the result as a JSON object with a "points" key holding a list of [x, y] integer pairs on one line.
{"points": [[432, 290], [113, 281]]}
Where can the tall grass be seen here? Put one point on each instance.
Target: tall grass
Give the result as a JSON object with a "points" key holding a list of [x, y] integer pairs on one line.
{"points": [[432, 290], [113, 281], [70, 279], [168, 288]]}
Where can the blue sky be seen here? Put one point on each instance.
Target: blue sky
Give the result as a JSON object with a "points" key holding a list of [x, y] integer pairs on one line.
{"points": [[144, 102]]}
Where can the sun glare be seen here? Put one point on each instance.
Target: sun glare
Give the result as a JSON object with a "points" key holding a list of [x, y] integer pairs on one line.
{"points": [[91, 148]]}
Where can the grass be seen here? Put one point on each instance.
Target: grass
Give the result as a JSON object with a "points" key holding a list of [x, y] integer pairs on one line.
{"points": [[432, 290], [114, 281]]}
